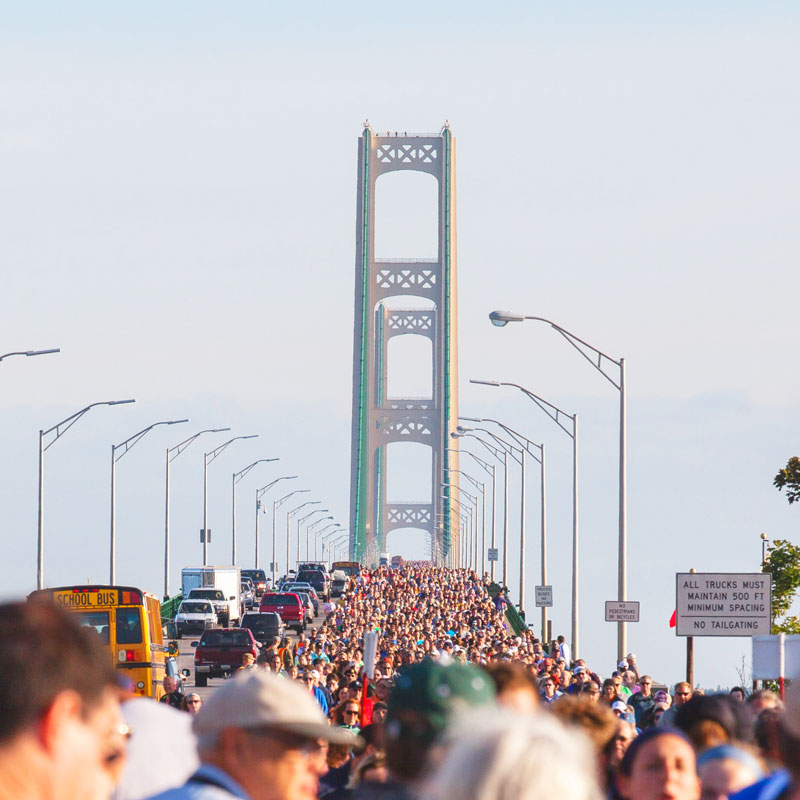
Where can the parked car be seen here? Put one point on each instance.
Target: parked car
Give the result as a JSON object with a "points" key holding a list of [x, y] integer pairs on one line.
{"points": [[265, 626], [319, 580], [219, 653], [294, 586], [259, 578], [195, 616], [288, 605], [248, 595]]}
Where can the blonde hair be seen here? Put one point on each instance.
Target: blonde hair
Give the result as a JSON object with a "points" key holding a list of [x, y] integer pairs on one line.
{"points": [[501, 755]]}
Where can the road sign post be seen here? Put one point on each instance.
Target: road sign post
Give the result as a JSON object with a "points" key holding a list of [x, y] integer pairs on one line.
{"points": [[544, 596], [622, 610], [492, 554], [723, 604]]}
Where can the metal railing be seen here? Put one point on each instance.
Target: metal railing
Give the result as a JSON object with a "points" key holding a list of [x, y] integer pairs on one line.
{"points": [[169, 607]]}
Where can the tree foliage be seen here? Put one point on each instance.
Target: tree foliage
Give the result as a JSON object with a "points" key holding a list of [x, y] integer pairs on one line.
{"points": [[783, 563], [789, 478]]}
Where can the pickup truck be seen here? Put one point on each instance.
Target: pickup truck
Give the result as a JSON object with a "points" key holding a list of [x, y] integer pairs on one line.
{"points": [[195, 616], [219, 653], [217, 599], [289, 606]]}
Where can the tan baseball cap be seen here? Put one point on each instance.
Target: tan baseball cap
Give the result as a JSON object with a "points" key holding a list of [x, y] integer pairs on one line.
{"points": [[256, 699]]}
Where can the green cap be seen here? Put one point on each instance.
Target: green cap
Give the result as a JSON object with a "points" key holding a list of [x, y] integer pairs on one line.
{"points": [[437, 691]]}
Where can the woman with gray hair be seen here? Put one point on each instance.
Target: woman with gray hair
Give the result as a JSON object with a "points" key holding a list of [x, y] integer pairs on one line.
{"points": [[501, 755]]}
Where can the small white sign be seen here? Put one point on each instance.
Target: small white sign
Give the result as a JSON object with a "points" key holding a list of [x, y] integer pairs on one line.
{"points": [[622, 610], [723, 603], [544, 596], [767, 657], [492, 554]]}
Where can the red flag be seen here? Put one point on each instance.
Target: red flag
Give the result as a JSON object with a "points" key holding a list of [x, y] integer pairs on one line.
{"points": [[673, 620]]}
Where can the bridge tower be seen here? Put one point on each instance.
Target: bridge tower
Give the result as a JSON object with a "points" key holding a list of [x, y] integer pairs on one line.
{"points": [[379, 420]]}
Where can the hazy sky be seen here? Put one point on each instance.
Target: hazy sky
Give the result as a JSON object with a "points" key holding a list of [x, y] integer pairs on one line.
{"points": [[178, 215]]}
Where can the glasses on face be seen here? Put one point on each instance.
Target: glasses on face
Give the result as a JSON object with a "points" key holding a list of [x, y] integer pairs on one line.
{"points": [[351, 711], [195, 702]]}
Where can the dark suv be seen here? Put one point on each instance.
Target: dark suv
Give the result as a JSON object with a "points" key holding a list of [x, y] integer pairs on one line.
{"points": [[318, 579], [219, 653], [264, 626]]}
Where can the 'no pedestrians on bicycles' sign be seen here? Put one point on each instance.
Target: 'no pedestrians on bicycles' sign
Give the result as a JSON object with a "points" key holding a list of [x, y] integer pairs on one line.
{"points": [[723, 604]]}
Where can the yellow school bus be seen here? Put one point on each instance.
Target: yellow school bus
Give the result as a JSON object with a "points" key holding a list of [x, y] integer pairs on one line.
{"points": [[127, 622]]}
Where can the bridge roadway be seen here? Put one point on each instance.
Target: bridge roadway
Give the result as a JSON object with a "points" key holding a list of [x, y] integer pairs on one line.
{"points": [[186, 661]]}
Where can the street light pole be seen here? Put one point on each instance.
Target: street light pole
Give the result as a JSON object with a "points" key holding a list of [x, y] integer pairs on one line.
{"points": [[302, 521], [238, 476], [206, 461], [309, 528], [61, 428], [124, 447], [177, 450], [259, 494], [501, 318], [275, 506], [489, 469], [289, 515], [558, 416], [31, 353]]}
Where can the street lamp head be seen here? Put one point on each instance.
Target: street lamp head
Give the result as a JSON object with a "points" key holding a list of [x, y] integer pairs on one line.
{"points": [[462, 429], [216, 430], [176, 421], [502, 318], [763, 537], [484, 383], [117, 402]]}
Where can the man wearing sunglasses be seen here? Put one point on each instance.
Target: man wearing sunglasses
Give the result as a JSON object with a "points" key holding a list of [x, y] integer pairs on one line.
{"points": [[259, 737]]}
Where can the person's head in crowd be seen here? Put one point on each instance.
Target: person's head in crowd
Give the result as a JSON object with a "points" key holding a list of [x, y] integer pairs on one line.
{"points": [[382, 689], [725, 770], [762, 699], [372, 769], [501, 755], [423, 701], [626, 733], [594, 720], [737, 693], [659, 764], [379, 711], [514, 686], [338, 755], [663, 696], [767, 732], [609, 694], [712, 720], [683, 693], [61, 731], [192, 703], [590, 691], [267, 734], [170, 683]]}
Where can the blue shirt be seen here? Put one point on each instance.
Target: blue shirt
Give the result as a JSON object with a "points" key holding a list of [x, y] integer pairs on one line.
{"points": [[207, 783]]}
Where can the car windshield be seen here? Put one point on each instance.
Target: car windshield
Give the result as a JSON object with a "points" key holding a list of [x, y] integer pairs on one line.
{"points": [[278, 599], [209, 594], [261, 623], [225, 639], [255, 574], [196, 608]]}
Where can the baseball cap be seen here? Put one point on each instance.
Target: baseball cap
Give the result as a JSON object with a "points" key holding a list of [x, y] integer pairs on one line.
{"points": [[622, 665], [439, 690], [256, 699], [618, 705]]}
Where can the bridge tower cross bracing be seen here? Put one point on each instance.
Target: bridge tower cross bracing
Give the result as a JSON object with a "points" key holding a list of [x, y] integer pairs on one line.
{"points": [[379, 420]]}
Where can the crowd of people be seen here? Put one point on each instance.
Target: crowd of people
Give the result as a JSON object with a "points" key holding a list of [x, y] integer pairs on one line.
{"points": [[452, 703]]}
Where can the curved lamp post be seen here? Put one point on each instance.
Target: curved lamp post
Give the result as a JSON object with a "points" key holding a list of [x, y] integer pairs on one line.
{"points": [[206, 461], [238, 476], [600, 361], [60, 429], [31, 353], [259, 494], [172, 454], [569, 424], [124, 447], [302, 521], [289, 515]]}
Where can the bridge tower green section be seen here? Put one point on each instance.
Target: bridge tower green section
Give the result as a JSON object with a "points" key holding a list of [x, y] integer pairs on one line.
{"points": [[378, 419]]}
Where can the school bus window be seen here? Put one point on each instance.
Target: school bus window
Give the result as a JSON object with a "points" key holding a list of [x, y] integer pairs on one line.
{"points": [[129, 627], [96, 621]]}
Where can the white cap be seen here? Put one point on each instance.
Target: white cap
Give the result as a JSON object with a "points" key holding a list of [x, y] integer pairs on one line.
{"points": [[256, 699]]}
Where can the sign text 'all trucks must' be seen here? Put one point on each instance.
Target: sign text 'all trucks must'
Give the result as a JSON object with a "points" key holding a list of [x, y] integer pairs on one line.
{"points": [[723, 604]]}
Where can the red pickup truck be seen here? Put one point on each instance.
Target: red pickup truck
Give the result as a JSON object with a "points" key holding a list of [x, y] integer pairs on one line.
{"points": [[219, 653], [289, 606]]}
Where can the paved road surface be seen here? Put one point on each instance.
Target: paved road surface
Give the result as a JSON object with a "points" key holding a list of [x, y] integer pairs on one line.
{"points": [[186, 661]]}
